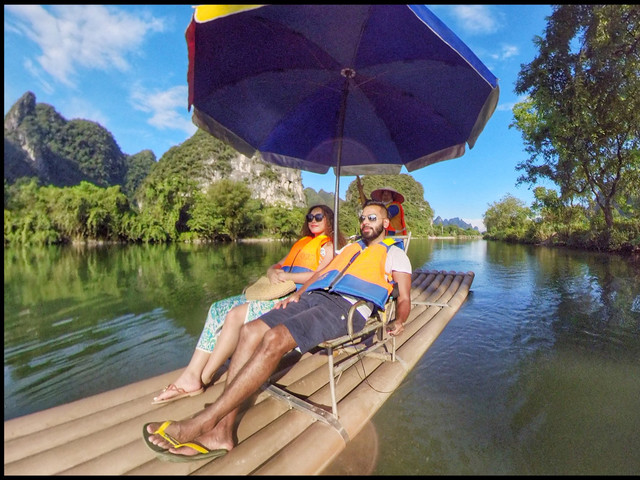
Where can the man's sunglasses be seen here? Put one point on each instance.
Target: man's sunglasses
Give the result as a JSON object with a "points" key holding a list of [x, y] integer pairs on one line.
{"points": [[317, 216], [371, 218]]}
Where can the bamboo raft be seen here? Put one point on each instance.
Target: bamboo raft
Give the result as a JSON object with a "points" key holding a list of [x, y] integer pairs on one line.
{"points": [[102, 434]]}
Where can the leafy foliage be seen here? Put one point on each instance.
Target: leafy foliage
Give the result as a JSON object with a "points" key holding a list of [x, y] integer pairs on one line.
{"points": [[187, 161], [508, 217], [417, 211], [138, 168], [230, 202], [59, 215], [93, 148], [581, 121]]}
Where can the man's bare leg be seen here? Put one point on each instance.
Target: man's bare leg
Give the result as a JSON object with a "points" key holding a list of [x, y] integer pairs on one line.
{"points": [[258, 353]]}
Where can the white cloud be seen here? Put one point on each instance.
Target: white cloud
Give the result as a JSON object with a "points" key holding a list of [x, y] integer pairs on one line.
{"points": [[505, 107], [164, 107], [476, 19], [37, 74], [509, 51], [81, 36], [505, 52], [508, 106]]}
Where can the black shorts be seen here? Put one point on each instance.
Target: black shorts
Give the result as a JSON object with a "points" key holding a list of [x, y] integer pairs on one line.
{"points": [[317, 317]]}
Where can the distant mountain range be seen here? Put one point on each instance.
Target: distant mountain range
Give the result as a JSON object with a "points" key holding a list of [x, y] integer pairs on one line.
{"points": [[458, 222], [41, 143]]}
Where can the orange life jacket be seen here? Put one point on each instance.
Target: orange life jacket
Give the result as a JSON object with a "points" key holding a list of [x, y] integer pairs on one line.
{"points": [[304, 255], [359, 271], [397, 225]]}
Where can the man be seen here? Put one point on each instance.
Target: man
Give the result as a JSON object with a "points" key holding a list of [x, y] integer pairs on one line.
{"points": [[315, 313]]}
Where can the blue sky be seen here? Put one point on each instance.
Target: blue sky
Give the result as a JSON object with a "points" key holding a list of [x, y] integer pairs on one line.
{"points": [[125, 67]]}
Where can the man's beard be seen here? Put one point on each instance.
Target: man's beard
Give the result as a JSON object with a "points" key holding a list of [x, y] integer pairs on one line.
{"points": [[372, 235]]}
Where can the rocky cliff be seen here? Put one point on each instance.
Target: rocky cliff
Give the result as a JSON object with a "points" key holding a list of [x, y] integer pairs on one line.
{"points": [[39, 142]]}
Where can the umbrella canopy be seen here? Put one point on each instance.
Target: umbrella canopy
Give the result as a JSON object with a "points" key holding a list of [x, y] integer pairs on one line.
{"points": [[362, 88]]}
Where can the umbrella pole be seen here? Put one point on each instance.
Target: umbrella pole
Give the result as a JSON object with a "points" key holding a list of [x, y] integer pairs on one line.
{"points": [[336, 201], [347, 73]]}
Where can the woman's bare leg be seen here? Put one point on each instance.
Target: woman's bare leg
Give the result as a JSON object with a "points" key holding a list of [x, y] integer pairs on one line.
{"points": [[226, 343], [190, 379]]}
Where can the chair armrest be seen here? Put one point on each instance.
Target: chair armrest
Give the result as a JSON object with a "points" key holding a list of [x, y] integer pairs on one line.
{"points": [[352, 311]]}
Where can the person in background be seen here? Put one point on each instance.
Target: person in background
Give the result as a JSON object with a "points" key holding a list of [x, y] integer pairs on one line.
{"points": [[364, 270], [219, 336], [393, 201]]}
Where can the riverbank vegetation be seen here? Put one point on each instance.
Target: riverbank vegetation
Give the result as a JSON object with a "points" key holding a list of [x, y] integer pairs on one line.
{"points": [[580, 122], [553, 224], [178, 211]]}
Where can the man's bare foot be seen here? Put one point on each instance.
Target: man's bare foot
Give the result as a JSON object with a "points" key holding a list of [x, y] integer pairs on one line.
{"points": [[215, 439], [209, 440], [177, 431]]}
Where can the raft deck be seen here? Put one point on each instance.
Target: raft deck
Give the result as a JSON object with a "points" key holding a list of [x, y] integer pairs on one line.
{"points": [[102, 434]]}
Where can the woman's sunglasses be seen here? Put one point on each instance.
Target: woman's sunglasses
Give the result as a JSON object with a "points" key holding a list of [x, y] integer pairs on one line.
{"points": [[317, 216], [371, 218]]}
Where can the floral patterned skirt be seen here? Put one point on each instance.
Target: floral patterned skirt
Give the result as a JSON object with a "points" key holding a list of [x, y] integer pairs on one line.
{"points": [[218, 312]]}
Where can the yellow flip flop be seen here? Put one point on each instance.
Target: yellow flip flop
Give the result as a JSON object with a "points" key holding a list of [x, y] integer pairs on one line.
{"points": [[162, 454]]}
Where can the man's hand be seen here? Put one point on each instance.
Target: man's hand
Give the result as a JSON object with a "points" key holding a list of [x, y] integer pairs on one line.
{"points": [[291, 298], [395, 328], [403, 303]]}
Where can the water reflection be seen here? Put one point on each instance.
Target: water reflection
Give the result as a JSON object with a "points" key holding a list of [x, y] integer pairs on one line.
{"points": [[537, 373], [360, 455], [575, 415], [82, 320]]}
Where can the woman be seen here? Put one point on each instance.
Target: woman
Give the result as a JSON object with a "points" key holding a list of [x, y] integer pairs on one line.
{"points": [[312, 252]]}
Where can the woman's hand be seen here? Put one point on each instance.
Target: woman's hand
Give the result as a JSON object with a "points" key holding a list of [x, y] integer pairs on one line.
{"points": [[280, 276], [272, 274]]}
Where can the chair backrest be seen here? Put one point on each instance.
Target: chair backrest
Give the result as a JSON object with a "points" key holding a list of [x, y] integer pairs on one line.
{"points": [[406, 239]]}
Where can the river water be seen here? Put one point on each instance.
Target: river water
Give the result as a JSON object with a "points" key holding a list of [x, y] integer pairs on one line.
{"points": [[537, 373]]}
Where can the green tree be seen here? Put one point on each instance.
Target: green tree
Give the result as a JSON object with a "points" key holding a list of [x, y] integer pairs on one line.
{"points": [[138, 168], [68, 209], [230, 201], [283, 223], [555, 215], [204, 222], [507, 219], [581, 121], [166, 203], [86, 211], [417, 211]]}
